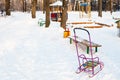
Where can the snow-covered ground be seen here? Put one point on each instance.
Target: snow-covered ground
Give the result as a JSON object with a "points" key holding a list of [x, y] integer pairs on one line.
{"points": [[31, 52]]}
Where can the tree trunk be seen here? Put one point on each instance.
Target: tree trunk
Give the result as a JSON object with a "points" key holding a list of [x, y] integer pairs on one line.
{"points": [[44, 6], [75, 5], [7, 7], [24, 5], [111, 6], [34, 2], [23, 2], [47, 14], [100, 8], [64, 14]]}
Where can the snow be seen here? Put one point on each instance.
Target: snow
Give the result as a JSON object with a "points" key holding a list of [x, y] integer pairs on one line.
{"points": [[31, 52], [57, 3]]}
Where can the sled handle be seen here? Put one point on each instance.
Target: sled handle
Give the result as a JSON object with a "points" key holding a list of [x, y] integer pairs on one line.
{"points": [[80, 29], [74, 30]]}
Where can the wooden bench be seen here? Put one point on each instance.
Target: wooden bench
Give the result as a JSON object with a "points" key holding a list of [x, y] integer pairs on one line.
{"points": [[85, 42]]}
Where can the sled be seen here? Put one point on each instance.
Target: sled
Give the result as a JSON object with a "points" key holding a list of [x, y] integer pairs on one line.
{"points": [[91, 65]]}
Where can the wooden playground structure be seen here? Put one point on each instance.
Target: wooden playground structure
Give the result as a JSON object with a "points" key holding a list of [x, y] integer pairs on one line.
{"points": [[56, 11], [85, 8]]}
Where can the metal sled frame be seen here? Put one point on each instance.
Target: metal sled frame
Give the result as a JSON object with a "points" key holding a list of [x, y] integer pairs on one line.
{"points": [[90, 65]]}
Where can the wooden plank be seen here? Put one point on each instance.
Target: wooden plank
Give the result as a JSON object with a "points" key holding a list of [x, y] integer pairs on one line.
{"points": [[85, 42], [102, 24], [80, 23], [89, 25], [94, 26]]}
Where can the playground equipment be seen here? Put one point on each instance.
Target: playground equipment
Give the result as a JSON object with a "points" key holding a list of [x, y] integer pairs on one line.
{"points": [[85, 8], [41, 22], [66, 33], [90, 65], [56, 11]]}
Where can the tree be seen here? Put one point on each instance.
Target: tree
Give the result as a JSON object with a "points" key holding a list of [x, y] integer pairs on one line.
{"points": [[34, 2], [24, 5], [47, 13], [74, 4], [100, 8], [111, 6], [44, 6], [7, 7], [64, 14]]}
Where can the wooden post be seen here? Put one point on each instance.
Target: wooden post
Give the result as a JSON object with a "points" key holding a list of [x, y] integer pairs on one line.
{"points": [[89, 9], [7, 7], [82, 10]]}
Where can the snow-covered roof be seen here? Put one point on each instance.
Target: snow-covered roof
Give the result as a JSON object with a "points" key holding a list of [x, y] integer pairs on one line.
{"points": [[57, 3]]}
